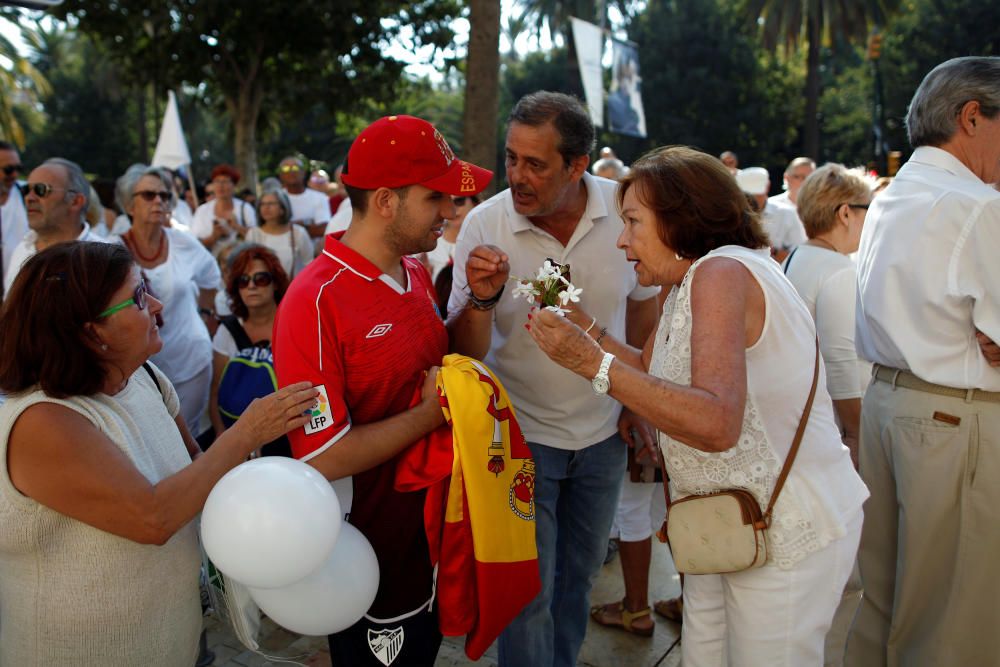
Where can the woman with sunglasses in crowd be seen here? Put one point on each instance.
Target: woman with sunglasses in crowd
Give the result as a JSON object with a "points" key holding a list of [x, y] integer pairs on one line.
{"points": [[291, 243], [184, 277], [225, 219], [100, 478], [255, 286]]}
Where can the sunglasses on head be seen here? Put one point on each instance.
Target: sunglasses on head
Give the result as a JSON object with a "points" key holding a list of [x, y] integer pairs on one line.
{"points": [[260, 279], [41, 190], [138, 298], [150, 195], [11, 168], [285, 168]]}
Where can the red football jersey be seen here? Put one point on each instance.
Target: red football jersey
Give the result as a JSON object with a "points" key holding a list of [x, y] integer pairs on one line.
{"points": [[365, 342]]}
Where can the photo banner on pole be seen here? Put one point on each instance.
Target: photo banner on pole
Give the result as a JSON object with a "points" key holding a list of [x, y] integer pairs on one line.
{"points": [[589, 42], [625, 112]]}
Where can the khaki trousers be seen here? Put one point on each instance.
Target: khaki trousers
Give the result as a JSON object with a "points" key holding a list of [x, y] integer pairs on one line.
{"points": [[931, 538]]}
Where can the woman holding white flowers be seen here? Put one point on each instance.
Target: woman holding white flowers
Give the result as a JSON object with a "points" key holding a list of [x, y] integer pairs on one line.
{"points": [[724, 380]]}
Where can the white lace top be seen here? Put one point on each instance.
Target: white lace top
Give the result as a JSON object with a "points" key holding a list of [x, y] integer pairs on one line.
{"points": [[823, 492]]}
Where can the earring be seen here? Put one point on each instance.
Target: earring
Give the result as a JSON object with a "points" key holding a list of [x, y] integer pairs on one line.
{"points": [[678, 257]]}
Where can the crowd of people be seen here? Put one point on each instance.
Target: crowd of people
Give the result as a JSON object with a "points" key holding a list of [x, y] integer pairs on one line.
{"points": [[832, 343]]}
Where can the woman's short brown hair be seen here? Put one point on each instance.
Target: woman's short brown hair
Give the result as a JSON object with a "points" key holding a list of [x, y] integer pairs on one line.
{"points": [[239, 264], [43, 340], [822, 194], [697, 203]]}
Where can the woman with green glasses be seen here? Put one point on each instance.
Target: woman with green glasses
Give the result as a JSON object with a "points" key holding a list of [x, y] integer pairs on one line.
{"points": [[100, 478]]}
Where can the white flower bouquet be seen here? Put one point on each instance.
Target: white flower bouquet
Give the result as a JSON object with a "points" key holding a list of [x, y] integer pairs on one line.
{"points": [[551, 287]]}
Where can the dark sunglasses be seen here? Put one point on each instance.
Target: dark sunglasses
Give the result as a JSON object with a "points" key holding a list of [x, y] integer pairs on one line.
{"points": [[460, 201], [260, 279], [11, 168], [138, 298], [41, 190], [864, 206], [150, 195]]}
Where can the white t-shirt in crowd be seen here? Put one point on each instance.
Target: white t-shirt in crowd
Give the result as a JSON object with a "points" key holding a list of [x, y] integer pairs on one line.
{"points": [[201, 225], [928, 273], [182, 213], [782, 200], [294, 248], [26, 249], [187, 348], [118, 228], [783, 226], [14, 217], [310, 205], [440, 257], [341, 220], [554, 406], [827, 282], [223, 342]]}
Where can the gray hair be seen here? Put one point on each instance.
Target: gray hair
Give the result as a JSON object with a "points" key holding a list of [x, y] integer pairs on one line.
{"points": [[932, 117], [76, 182], [566, 113], [283, 202], [800, 162], [125, 186], [617, 166]]}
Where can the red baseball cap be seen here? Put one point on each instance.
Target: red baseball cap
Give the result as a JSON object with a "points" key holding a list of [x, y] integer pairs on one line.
{"points": [[396, 151]]}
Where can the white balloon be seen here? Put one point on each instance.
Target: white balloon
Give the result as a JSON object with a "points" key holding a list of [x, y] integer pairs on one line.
{"points": [[270, 522], [331, 599]]}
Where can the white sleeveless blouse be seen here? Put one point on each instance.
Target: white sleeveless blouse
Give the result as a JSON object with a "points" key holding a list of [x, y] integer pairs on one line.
{"points": [[823, 492]]}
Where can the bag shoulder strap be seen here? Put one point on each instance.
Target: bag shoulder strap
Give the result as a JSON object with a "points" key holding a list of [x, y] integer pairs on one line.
{"points": [[799, 432], [792, 452], [236, 330], [788, 260]]}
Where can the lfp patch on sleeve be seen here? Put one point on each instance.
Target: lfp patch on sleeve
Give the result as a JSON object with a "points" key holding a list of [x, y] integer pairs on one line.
{"points": [[320, 415]]}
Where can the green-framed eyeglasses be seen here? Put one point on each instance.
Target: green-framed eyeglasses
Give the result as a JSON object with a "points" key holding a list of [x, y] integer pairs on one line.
{"points": [[138, 298]]}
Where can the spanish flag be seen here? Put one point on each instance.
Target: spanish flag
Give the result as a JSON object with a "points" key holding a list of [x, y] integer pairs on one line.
{"points": [[480, 512]]}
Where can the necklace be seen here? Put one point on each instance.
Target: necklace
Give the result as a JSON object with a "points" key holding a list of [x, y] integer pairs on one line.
{"points": [[818, 241], [134, 247]]}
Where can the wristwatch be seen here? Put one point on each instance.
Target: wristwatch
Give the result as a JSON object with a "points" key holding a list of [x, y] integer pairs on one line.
{"points": [[601, 383]]}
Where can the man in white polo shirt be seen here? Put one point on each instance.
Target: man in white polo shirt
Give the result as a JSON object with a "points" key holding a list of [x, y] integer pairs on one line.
{"points": [[795, 175], [56, 198], [553, 209], [928, 277], [310, 208], [781, 223]]}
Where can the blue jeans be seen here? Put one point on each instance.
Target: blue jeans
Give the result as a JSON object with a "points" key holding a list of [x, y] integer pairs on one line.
{"points": [[575, 498]]}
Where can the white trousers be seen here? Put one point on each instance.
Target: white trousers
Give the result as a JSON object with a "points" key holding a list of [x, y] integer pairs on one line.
{"points": [[193, 395], [767, 616], [638, 512]]}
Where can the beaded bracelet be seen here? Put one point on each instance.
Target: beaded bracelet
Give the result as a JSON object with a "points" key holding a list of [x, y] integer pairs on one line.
{"points": [[485, 304], [600, 336]]}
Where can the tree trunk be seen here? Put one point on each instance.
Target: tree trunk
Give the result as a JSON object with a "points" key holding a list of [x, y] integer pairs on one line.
{"points": [[245, 110], [811, 138], [479, 123]]}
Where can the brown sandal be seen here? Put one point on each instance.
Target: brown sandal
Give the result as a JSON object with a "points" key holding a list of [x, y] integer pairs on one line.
{"points": [[598, 613], [672, 609]]}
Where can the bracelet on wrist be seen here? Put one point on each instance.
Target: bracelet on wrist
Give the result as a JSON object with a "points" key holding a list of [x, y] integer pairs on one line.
{"points": [[206, 312], [485, 304], [600, 336]]}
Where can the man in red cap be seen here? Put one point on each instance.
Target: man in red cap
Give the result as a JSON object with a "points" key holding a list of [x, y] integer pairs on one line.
{"points": [[360, 323]]}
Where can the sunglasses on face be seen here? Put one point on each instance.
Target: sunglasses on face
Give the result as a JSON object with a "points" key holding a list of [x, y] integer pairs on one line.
{"points": [[41, 190], [460, 201], [286, 168], [150, 195], [11, 168], [260, 279], [138, 298]]}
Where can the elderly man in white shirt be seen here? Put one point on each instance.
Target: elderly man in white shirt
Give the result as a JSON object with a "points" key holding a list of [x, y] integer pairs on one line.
{"points": [[56, 198], [927, 278], [781, 223], [795, 175]]}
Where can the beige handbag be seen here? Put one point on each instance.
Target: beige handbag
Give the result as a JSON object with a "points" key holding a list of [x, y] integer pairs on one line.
{"points": [[725, 531]]}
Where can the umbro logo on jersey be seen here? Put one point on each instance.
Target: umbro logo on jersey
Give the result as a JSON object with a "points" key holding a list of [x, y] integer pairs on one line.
{"points": [[379, 330]]}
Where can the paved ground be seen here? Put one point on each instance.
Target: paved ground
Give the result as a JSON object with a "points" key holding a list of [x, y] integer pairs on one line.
{"points": [[603, 647]]}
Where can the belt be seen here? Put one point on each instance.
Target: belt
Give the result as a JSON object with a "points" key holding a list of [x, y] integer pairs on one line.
{"points": [[900, 378]]}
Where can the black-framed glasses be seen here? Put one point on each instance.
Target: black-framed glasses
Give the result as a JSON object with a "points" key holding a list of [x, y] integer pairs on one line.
{"points": [[11, 168], [861, 206], [138, 298], [149, 195], [41, 190], [260, 279]]}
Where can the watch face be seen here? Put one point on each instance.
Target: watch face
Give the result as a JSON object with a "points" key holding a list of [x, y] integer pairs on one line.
{"points": [[601, 385]]}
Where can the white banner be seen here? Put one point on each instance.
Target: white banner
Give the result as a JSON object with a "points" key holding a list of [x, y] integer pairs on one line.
{"points": [[625, 113], [589, 42], [171, 148]]}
